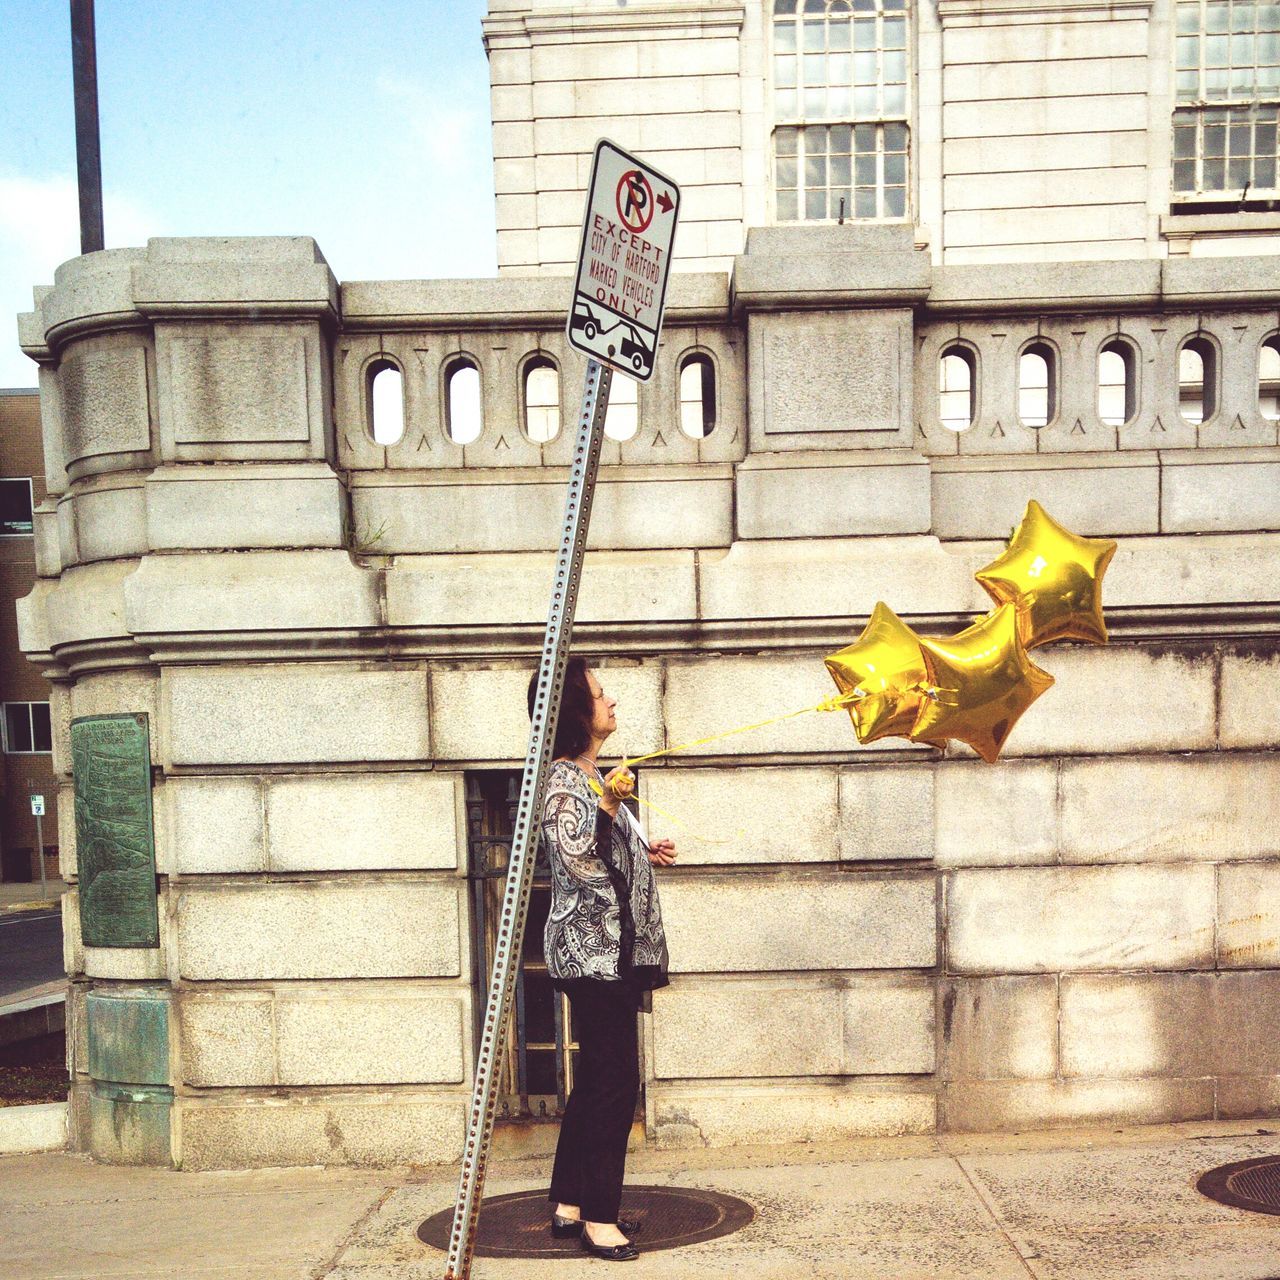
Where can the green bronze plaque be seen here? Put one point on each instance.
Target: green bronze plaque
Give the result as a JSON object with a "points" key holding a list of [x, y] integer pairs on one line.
{"points": [[115, 844]]}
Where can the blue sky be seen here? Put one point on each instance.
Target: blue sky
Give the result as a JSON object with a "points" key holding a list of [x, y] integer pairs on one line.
{"points": [[364, 125]]}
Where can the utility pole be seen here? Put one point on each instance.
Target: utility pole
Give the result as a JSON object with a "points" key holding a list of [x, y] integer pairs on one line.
{"points": [[84, 77]]}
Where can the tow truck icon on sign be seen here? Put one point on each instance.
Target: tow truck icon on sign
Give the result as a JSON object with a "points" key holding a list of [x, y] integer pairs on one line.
{"points": [[629, 342]]}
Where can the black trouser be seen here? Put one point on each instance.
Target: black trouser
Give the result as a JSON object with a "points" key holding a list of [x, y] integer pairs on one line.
{"points": [[592, 1150]]}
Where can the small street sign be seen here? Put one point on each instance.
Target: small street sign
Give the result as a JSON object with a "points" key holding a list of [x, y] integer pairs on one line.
{"points": [[624, 259], [37, 806]]}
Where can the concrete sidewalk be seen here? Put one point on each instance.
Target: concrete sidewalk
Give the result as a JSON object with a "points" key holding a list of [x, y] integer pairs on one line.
{"points": [[1066, 1205]]}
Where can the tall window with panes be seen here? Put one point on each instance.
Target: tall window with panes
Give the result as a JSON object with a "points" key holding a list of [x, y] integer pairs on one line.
{"points": [[1224, 124], [840, 104]]}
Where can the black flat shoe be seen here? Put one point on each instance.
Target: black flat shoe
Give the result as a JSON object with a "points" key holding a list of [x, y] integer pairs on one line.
{"points": [[610, 1252], [565, 1228], [628, 1226]]}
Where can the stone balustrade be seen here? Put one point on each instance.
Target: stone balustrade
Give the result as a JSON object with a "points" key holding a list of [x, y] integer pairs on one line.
{"points": [[326, 634]]}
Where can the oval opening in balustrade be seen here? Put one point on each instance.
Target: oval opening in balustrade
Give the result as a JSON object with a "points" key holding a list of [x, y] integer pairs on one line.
{"points": [[384, 401], [1197, 382], [1117, 383], [697, 396], [622, 418], [463, 419], [957, 386], [541, 399], [1037, 385], [1269, 378]]}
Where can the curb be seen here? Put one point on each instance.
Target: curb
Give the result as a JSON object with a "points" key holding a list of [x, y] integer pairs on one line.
{"points": [[37, 1015], [40, 1126]]}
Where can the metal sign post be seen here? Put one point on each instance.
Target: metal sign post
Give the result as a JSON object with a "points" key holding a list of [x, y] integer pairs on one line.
{"points": [[626, 195], [37, 809]]}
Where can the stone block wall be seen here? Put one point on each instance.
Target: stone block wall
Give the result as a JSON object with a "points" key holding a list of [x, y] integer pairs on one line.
{"points": [[873, 940]]}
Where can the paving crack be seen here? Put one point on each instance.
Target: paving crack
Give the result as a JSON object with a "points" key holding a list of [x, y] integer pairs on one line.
{"points": [[324, 1268], [990, 1206]]}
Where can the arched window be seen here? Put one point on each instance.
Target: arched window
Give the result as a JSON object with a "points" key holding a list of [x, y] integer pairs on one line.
{"points": [[840, 74], [697, 395], [462, 415], [1269, 378], [957, 388], [1117, 383], [1196, 380], [541, 399], [1037, 389], [384, 401], [622, 418]]}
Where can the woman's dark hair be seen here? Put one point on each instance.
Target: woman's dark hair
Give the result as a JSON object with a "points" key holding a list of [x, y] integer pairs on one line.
{"points": [[577, 709]]}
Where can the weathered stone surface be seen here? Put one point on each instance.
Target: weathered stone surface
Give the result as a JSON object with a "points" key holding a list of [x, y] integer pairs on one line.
{"points": [[320, 929], [889, 1027], [483, 714], [233, 385], [1203, 496], [379, 1132], [754, 815], [1250, 710], [379, 1039], [724, 1116], [226, 1038], [778, 499], [110, 519], [1150, 1024], [291, 712], [250, 590], [102, 392], [1012, 1105], [217, 506], [1069, 918], [1215, 806], [765, 923], [886, 811], [998, 1028], [986, 816], [251, 1038], [1119, 699], [841, 577], [213, 825], [1249, 915], [364, 821], [747, 1029]]}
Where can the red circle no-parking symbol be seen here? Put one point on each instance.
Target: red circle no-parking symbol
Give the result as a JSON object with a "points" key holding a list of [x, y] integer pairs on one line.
{"points": [[634, 199]]}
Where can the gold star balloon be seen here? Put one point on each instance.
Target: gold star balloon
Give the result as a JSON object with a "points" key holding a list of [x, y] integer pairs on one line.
{"points": [[880, 675], [980, 681], [1054, 577]]}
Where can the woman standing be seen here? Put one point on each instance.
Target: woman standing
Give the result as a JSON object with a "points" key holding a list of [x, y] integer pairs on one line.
{"points": [[605, 947]]}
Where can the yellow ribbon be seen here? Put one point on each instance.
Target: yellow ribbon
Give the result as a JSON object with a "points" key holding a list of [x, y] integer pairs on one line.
{"points": [[836, 702]]}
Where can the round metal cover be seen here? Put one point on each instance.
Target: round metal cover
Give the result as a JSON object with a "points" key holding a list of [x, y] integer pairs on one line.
{"points": [[519, 1225], [1246, 1184]]}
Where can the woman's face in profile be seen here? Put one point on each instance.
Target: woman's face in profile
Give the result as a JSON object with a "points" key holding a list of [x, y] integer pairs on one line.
{"points": [[603, 719]]}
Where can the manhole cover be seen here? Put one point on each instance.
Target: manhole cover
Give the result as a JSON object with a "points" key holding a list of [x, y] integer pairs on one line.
{"points": [[519, 1225], [1247, 1184]]}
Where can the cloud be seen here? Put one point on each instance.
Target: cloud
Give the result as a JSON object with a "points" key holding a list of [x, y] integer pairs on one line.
{"points": [[39, 230], [444, 134]]}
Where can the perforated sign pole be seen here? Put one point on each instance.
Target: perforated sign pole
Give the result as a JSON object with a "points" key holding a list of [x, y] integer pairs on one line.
{"points": [[615, 318], [515, 902]]}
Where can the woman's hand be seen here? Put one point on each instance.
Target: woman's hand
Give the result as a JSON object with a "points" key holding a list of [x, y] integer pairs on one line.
{"points": [[618, 785], [662, 853]]}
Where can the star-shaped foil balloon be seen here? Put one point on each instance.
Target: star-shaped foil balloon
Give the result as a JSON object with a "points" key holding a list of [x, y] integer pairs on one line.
{"points": [[1054, 577], [980, 681], [880, 675]]}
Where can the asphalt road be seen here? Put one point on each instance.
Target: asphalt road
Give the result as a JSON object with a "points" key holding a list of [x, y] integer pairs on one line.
{"points": [[30, 949]]}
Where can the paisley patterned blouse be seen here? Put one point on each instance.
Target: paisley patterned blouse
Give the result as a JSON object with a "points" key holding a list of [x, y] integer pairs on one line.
{"points": [[604, 920]]}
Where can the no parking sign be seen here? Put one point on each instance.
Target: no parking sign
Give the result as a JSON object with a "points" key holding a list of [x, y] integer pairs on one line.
{"points": [[624, 260]]}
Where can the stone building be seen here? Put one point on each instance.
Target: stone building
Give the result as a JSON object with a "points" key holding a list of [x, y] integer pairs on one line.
{"points": [[297, 543]]}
